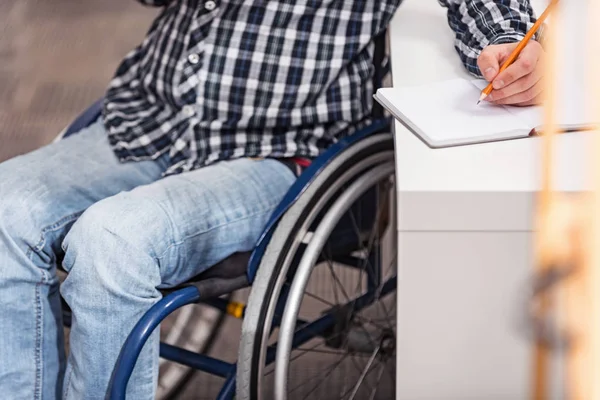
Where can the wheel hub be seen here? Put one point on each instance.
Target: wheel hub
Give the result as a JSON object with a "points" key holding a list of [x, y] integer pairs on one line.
{"points": [[387, 343]]}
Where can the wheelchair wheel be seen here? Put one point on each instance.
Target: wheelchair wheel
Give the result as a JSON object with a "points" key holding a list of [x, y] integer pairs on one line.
{"points": [[320, 321], [194, 328]]}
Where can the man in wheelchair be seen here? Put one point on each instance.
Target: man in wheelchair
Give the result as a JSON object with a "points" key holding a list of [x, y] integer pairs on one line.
{"points": [[205, 126]]}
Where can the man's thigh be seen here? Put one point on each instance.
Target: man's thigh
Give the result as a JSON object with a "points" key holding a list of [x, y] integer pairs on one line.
{"points": [[191, 221], [45, 191]]}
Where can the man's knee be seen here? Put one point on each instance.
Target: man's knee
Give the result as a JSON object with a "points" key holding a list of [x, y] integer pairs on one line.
{"points": [[23, 207], [30, 231], [110, 234]]}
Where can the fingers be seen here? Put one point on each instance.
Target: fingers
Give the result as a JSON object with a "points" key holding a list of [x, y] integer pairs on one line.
{"points": [[531, 102], [525, 88], [526, 63], [490, 58], [530, 96], [519, 84]]}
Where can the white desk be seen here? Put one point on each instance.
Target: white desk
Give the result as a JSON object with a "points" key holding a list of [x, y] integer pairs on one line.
{"points": [[464, 224]]}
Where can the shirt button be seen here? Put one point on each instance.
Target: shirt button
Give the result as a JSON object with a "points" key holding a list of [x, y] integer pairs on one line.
{"points": [[194, 58], [210, 5], [188, 111]]}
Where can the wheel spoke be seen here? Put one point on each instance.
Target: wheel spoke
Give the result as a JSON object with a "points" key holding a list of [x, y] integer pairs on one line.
{"points": [[364, 373], [323, 377], [387, 314], [381, 303], [319, 298], [348, 391], [322, 300], [358, 368], [380, 287], [392, 371], [379, 375], [337, 281], [304, 352], [370, 240], [389, 268], [333, 275], [330, 352], [374, 231]]}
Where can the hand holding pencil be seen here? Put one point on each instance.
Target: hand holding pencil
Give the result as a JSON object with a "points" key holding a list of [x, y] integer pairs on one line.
{"points": [[515, 70]]}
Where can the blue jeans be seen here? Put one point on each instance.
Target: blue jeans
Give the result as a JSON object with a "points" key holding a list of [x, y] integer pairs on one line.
{"points": [[122, 232]]}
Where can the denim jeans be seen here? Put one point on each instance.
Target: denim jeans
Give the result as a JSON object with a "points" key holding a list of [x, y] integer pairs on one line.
{"points": [[122, 232]]}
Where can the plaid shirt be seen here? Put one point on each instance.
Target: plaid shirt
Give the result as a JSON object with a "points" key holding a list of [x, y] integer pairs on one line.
{"points": [[222, 79]]}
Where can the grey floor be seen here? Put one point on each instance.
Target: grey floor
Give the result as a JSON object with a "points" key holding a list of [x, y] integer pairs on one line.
{"points": [[56, 57]]}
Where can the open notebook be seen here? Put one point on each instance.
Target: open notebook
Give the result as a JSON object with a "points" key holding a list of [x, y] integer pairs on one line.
{"points": [[445, 114]]}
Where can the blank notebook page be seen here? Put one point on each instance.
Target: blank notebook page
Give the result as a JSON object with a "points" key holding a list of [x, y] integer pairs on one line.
{"points": [[570, 109], [531, 115], [446, 111]]}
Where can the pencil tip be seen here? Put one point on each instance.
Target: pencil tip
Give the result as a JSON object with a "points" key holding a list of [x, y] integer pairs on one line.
{"points": [[478, 101]]}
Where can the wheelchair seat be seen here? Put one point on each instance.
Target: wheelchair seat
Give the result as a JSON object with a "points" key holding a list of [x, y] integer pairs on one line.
{"points": [[225, 277]]}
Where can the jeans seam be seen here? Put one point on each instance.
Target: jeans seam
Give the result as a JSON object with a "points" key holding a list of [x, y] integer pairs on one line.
{"points": [[155, 356], [171, 226], [59, 224], [67, 383], [175, 244], [38, 343], [271, 207], [38, 353]]}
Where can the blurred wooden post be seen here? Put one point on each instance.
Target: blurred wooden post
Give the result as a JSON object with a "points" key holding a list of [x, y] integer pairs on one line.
{"points": [[545, 227], [582, 288], [568, 231]]}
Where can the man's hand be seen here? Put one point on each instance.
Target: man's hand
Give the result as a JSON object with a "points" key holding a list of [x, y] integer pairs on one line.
{"points": [[521, 83]]}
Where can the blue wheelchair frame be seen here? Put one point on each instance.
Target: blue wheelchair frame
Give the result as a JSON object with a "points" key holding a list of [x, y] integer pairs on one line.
{"points": [[191, 294]]}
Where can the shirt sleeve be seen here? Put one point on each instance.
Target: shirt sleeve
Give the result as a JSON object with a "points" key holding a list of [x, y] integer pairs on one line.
{"points": [[155, 3], [479, 23]]}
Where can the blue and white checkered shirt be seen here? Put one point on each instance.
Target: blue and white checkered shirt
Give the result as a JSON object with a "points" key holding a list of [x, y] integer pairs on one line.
{"points": [[222, 79]]}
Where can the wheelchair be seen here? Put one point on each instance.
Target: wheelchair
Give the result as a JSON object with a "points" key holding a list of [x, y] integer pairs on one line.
{"points": [[320, 317]]}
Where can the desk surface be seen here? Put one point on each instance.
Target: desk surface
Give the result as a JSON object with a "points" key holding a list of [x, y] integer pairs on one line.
{"points": [[464, 242], [421, 46]]}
